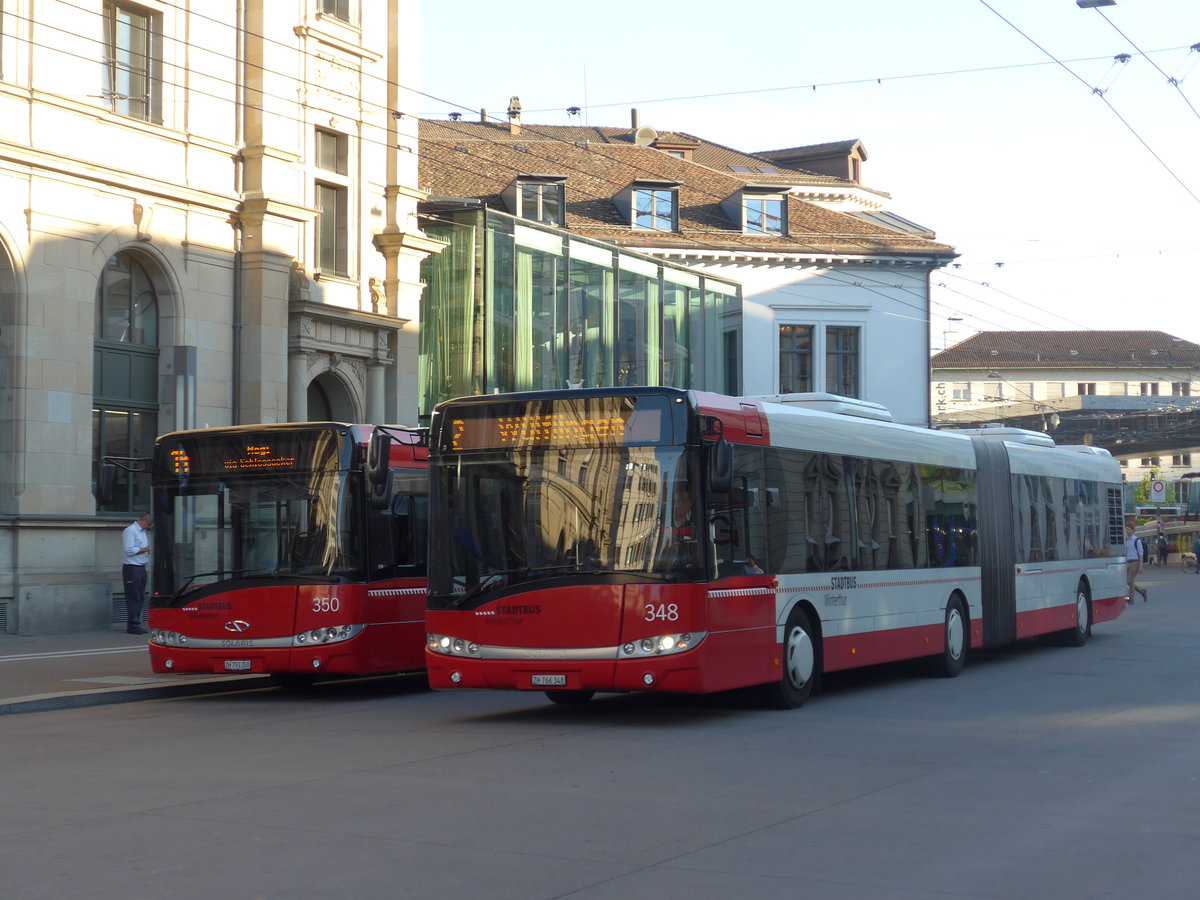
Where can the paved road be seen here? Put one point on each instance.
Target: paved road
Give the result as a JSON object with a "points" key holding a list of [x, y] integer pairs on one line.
{"points": [[1039, 772], [63, 671]]}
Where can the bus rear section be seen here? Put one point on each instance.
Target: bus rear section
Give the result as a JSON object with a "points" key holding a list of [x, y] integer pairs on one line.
{"points": [[274, 553]]}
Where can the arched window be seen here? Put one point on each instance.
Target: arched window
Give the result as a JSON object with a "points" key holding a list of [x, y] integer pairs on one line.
{"points": [[125, 371]]}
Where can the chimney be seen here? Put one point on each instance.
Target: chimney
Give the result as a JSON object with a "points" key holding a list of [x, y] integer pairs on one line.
{"points": [[635, 120], [514, 115], [482, 116]]}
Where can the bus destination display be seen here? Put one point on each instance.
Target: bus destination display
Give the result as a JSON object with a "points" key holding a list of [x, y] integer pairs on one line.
{"points": [[565, 428], [260, 456]]}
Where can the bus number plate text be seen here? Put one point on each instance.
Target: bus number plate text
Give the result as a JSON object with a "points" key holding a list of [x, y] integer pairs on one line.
{"points": [[237, 665], [549, 680]]}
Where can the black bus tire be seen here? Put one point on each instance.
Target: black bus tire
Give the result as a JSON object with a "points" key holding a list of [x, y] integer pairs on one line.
{"points": [[955, 639], [1078, 634], [800, 663]]}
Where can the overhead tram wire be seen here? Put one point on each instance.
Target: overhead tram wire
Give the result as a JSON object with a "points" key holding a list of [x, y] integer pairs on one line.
{"points": [[859, 281], [1171, 81], [833, 84], [854, 238], [1104, 99], [237, 87]]}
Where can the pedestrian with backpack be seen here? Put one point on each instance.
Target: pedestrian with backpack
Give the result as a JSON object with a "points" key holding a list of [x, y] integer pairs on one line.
{"points": [[1134, 551]]}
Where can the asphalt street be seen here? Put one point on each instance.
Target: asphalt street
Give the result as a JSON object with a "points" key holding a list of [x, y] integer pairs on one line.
{"points": [[1040, 772]]}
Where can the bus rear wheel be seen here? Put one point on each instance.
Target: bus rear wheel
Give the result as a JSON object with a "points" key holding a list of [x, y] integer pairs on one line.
{"points": [[954, 647], [795, 684], [1077, 636], [570, 698]]}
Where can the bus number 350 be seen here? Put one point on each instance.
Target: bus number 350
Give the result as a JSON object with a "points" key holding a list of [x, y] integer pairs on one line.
{"points": [[326, 604], [662, 612]]}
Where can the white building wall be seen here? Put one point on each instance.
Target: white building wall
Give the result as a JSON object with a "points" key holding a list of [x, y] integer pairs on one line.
{"points": [[1049, 387], [888, 303]]}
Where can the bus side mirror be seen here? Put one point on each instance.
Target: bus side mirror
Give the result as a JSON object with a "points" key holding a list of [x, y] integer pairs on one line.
{"points": [[720, 466], [381, 493], [106, 483], [379, 453]]}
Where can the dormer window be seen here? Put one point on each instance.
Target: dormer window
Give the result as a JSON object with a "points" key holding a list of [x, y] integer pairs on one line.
{"points": [[650, 205], [764, 214], [656, 207], [539, 198], [759, 209]]}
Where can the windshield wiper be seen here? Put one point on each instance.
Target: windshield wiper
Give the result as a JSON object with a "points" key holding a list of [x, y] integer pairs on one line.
{"points": [[183, 587], [489, 579]]}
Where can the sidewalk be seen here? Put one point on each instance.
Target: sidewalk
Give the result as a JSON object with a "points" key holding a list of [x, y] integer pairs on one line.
{"points": [[63, 671]]}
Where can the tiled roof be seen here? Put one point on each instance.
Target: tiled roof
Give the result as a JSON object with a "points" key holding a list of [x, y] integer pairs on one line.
{"points": [[458, 160], [1070, 350], [706, 153], [827, 149]]}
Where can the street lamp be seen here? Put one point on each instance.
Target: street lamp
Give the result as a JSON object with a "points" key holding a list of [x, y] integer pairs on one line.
{"points": [[1092, 4]]}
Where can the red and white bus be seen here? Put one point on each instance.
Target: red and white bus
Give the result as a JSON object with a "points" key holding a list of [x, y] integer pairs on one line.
{"points": [[296, 550], [653, 539]]}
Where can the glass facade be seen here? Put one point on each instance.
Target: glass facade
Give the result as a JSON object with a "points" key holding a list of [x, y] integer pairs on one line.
{"points": [[512, 306]]}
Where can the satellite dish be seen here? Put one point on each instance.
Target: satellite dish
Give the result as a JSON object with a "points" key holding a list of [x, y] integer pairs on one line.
{"points": [[645, 136]]}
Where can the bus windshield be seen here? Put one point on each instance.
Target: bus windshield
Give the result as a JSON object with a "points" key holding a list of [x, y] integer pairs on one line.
{"points": [[506, 517], [231, 507]]}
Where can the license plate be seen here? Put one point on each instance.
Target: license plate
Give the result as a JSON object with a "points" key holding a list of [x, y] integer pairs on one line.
{"points": [[549, 680], [237, 665]]}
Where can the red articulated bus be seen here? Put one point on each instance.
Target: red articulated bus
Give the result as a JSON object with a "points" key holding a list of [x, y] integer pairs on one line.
{"points": [[654, 539], [295, 550]]}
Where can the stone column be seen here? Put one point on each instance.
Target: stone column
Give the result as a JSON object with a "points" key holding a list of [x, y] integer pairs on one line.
{"points": [[297, 387]]}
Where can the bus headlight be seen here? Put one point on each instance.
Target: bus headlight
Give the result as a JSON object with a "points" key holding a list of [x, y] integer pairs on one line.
{"points": [[332, 634], [662, 644], [451, 646], [168, 638]]}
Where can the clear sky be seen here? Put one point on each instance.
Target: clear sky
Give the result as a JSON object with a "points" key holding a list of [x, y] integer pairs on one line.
{"points": [[1071, 208]]}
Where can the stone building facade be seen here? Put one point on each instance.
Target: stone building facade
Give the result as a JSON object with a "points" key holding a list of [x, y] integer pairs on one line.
{"points": [[207, 217]]}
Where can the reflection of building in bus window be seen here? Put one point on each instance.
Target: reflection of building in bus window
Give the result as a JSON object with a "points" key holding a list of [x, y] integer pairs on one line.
{"points": [[679, 538]]}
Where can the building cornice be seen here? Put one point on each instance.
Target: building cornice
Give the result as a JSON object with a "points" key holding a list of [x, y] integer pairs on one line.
{"points": [[319, 34], [926, 261], [396, 241]]}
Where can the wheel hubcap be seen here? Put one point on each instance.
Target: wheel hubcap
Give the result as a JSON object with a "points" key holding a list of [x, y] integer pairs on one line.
{"points": [[954, 633], [1081, 612], [800, 658]]}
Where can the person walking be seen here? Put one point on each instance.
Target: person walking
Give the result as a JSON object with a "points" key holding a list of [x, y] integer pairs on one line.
{"points": [[1196, 555], [135, 543], [1134, 548]]}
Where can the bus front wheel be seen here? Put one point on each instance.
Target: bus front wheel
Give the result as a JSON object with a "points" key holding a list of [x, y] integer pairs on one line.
{"points": [[795, 684]]}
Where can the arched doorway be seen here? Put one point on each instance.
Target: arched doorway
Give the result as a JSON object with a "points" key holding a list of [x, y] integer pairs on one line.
{"points": [[329, 401], [125, 389]]}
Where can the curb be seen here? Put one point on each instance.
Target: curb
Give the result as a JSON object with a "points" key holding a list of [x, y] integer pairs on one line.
{"points": [[107, 696]]}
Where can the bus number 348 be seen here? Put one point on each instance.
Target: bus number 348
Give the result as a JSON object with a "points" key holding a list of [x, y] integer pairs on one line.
{"points": [[326, 604], [662, 612]]}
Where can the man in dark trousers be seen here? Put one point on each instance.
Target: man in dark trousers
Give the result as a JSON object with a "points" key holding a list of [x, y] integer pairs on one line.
{"points": [[135, 544]]}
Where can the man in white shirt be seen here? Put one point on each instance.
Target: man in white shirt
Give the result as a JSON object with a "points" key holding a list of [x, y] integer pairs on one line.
{"points": [[135, 543], [1133, 564]]}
